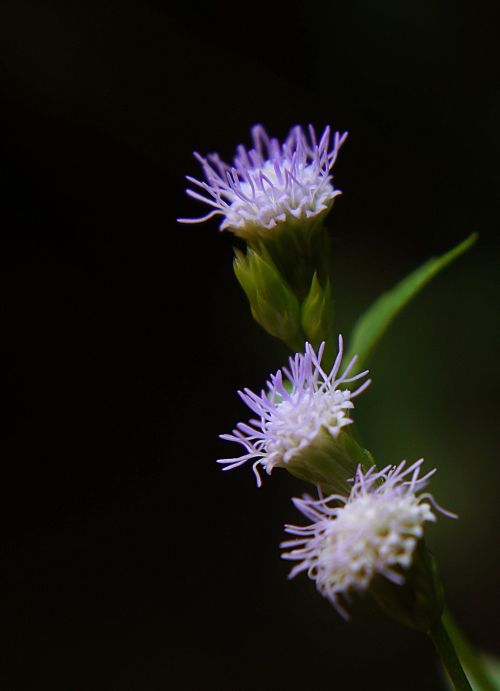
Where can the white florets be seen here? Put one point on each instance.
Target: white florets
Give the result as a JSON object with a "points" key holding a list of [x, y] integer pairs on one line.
{"points": [[270, 183], [292, 413], [373, 531]]}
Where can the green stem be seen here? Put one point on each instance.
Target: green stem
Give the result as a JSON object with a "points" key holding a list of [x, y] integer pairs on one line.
{"points": [[472, 661], [449, 657]]}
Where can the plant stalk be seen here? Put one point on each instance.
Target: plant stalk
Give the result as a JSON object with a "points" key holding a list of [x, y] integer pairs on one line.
{"points": [[470, 658], [449, 657]]}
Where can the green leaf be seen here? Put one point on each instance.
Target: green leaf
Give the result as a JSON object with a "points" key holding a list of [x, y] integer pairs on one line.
{"points": [[374, 322], [483, 671], [490, 674], [492, 665]]}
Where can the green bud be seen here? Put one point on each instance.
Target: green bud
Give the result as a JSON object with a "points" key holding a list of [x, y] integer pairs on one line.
{"points": [[330, 462], [299, 248], [419, 602], [274, 306], [316, 316]]}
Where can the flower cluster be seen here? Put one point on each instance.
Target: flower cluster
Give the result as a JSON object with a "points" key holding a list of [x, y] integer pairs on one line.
{"points": [[366, 530], [302, 409], [374, 530], [270, 183]]}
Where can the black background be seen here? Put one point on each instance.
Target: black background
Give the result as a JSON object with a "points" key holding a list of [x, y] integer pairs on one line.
{"points": [[128, 560]]}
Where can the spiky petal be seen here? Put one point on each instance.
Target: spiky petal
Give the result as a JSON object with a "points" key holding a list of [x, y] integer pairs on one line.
{"points": [[302, 410], [270, 183]]}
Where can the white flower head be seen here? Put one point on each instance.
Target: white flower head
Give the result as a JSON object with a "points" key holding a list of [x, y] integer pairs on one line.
{"points": [[303, 409], [373, 531], [271, 183]]}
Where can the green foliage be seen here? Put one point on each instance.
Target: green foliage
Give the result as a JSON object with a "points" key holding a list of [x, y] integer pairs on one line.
{"points": [[273, 304], [483, 671], [492, 665], [375, 321]]}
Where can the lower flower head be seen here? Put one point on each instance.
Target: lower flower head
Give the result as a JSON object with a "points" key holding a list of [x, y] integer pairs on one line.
{"points": [[303, 410], [373, 531], [271, 183]]}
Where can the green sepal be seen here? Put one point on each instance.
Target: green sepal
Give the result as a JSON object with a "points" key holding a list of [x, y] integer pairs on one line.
{"points": [[330, 462], [419, 602], [272, 303], [316, 316], [298, 247]]}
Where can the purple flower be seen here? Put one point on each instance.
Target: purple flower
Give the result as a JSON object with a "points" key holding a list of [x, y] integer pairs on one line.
{"points": [[271, 183], [373, 531], [300, 415]]}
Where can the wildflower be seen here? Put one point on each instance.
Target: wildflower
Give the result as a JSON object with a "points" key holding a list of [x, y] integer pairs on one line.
{"points": [[270, 184], [300, 421], [374, 531]]}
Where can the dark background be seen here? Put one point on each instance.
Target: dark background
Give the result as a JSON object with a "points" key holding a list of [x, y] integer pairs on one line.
{"points": [[127, 559]]}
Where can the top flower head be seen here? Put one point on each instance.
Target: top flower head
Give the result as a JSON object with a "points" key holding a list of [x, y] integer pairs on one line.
{"points": [[271, 183]]}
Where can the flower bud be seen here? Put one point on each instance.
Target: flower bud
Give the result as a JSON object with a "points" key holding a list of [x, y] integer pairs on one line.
{"points": [[273, 304], [316, 315]]}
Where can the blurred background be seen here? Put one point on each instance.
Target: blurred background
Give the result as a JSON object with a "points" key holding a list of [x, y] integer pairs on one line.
{"points": [[128, 560]]}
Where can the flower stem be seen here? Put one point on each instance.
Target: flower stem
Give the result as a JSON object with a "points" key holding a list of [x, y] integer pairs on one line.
{"points": [[472, 661], [449, 657]]}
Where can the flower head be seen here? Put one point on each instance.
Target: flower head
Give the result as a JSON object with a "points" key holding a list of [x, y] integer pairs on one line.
{"points": [[373, 531], [299, 417], [271, 183]]}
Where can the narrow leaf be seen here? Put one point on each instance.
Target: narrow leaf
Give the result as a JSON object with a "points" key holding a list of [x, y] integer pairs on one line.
{"points": [[374, 322]]}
